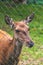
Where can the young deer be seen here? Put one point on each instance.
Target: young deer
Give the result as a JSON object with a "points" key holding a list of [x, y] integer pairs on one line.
{"points": [[10, 48]]}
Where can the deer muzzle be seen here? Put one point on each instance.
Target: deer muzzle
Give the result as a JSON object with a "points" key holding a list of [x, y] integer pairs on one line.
{"points": [[30, 44]]}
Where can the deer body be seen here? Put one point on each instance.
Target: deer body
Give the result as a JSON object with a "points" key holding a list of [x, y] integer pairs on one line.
{"points": [[9, 51], [10, 48]]}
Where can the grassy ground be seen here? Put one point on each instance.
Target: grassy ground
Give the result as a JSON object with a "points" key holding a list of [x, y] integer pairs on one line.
{"points": [[29, 56]]}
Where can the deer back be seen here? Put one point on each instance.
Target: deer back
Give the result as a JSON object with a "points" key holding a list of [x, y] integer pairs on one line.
{"points": [[5, 46]]}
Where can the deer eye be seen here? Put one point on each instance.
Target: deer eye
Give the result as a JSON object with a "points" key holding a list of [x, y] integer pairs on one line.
{"points": [[17, 31]]}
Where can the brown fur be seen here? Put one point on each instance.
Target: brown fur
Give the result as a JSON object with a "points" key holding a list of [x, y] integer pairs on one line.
{"points": [[10, 48], [8, 44], [5, 40]]}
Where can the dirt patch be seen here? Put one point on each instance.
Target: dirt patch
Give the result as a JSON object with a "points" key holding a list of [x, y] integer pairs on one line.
{"points": [[31, 62]]}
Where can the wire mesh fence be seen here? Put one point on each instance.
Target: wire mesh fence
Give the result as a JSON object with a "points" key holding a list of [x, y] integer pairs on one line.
{"points": [[18, 11]]}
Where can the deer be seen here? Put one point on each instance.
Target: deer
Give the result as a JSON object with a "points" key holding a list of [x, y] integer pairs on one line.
{"points": [[11, 47]]}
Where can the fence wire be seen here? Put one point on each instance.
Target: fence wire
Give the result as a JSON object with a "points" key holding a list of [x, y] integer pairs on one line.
{"points": [[15, 9]]}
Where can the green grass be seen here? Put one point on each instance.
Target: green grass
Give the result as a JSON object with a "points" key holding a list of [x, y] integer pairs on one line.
{"points": [[36, 28]]}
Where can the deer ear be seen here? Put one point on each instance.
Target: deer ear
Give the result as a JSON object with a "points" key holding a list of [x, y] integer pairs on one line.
{"points": [[9, 21], [29, 18]]}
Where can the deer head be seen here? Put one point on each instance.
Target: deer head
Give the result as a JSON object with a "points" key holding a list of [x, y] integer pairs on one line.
{"points": [[21, 29]]}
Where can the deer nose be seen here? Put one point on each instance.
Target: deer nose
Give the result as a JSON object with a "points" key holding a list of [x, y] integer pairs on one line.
{"points": [[30, 44]]}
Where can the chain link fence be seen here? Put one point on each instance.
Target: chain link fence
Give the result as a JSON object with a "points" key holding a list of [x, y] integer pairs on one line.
{"points": [[35, 1], [19, 11]]}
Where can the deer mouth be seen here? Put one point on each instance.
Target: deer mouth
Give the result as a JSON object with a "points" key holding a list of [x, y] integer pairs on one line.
{"points": [[30, 44]]}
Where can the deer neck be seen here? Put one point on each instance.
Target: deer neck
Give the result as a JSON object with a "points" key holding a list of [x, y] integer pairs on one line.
{"points": [[17, 47], [17, 50]]}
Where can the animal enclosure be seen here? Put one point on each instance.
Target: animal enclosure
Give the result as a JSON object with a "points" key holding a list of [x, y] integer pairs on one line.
{"points": [[17, 12]]}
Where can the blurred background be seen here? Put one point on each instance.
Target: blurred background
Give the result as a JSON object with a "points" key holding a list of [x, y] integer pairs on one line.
{"points": [[19, 10]]}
